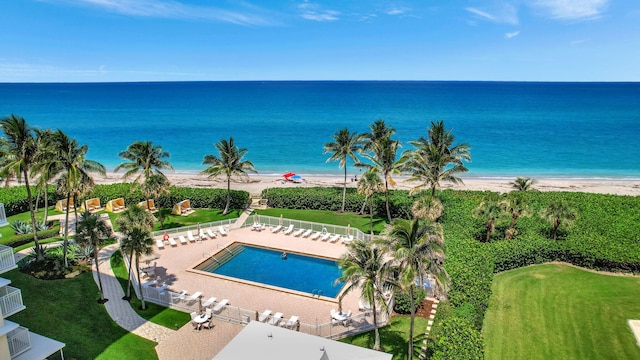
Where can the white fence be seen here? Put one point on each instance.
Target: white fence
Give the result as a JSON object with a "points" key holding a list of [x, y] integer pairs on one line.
{"points": [[300, 224], [213, 225]]}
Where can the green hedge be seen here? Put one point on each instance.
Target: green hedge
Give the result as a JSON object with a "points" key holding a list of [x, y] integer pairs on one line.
{"points": [[15, 198], [27, 238]]}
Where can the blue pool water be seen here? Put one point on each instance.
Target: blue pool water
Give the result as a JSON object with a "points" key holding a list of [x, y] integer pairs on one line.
{"points": [[298, 272]]}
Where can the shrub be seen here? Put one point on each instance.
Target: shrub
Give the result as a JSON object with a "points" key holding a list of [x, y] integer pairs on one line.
{"points": [[456, 338], [402, 301], [27, 238]]}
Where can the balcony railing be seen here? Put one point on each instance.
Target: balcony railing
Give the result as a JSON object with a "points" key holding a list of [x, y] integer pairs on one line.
{"points": [[7, 261], [19, 341], [10, 300]]}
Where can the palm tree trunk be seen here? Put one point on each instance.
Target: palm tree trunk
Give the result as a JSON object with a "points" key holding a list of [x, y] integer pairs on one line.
{"points": [[364, 204], [142, 306], [371, 216], [344, 188], [46, 203], [226, 207], [433, 190], [413, 316], [130, 276], [556, 225], [376, 344], [65, 243], [95, 259], [488, 232], [39, 252], [386, 196]]}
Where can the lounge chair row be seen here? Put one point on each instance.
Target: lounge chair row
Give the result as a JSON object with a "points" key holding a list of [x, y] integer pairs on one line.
{"points": [[277, 319], [323, 235], [203, 235]]}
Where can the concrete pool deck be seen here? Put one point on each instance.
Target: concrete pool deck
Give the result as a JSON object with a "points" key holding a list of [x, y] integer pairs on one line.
{"points": [[174, 268]]}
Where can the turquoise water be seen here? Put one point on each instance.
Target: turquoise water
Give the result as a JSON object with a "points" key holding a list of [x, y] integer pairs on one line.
{"points": [[297, 272], [580, 130]]}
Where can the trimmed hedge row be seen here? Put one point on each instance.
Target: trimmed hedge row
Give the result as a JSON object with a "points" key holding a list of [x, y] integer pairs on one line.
{"points": [[27, 238], [14, 198]]}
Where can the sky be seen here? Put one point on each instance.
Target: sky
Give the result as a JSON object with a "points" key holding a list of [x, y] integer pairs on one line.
{"points": [[185, 40]]}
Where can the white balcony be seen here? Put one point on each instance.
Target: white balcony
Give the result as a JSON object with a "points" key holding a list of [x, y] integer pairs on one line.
{"points": [[10, 301], [19, 341], [7, 260]]}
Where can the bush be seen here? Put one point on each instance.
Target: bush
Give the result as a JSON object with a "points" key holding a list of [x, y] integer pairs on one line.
{"points": [[27, 238], [402, 301], [15, 198], [456, 338]]}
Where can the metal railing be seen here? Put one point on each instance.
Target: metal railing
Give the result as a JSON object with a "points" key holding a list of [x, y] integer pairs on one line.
{"points": [[10, 300], [7, 260], [271, 221], [19, 341]]}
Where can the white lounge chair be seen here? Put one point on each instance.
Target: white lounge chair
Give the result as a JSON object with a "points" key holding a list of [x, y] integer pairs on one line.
{"points": [[172, 242], [347, 239], [276, 229], [334, 238], [325, 237], [194, 297], [275, 319], [211, 233], [307, 233], [160, 244], [220, 305], [222, 231], [289, 230], [190, 236], [264, 316], [179, 296], [183, 241], [202, 235], [208, 313], [317, 235], [293, 320], [209, 302]]}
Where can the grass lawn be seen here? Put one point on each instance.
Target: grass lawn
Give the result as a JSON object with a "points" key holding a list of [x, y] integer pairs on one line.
{"points": [[7, 231], [328, 217], [67, 311], [155, 313], [173, 221], [555, 311], [393, 337]]}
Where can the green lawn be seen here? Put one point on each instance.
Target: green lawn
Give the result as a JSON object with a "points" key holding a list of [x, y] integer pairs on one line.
{"points": [[555, 311], [327, 217], [393, 337], [62, 310], [173, 221], [155, 313], [7, 231]]}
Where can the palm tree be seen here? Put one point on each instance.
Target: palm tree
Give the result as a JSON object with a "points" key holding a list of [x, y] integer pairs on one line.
{"points": [[364, 268], [138, 241], [489, 212], [559, 214], [369, 184], [383, 160], [154, 186], [523, 183], [45, 166], [228, 163], [133, 217], [20, 146], [92, 231], [436, 158], [74, 178], [143, 158], [516, 207], [416, 247], [345, 145], [427, 207], [379, 130]]}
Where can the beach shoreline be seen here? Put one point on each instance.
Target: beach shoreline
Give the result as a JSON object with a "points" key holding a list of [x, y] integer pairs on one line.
{"points": [[255, 183]]}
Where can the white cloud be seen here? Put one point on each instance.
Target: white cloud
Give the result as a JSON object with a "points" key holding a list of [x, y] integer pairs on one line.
{"points": [[506, 14], [578, 42], [512, 34], [311, 11], [172, 9], [396, 11], [572, 9]]}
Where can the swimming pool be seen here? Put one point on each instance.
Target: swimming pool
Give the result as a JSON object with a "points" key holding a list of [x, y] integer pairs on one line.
{"points": [[298, 272]]}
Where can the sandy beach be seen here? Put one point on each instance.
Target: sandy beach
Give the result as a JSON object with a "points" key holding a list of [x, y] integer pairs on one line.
{"points": [[256, 183]]}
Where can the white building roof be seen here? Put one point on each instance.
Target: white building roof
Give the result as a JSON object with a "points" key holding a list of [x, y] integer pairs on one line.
{"points": [[266, 342]]}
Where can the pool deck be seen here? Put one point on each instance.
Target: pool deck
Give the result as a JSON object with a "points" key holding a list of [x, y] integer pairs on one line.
{"points": [[173, 268]]}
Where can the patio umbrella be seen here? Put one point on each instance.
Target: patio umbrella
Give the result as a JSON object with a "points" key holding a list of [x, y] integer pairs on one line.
{"points": [[199, 304], [280, 219], [288, 175], [348, 229]]}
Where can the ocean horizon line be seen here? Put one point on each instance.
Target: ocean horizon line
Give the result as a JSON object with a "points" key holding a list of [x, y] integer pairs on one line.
{"points": [[328, 81]]}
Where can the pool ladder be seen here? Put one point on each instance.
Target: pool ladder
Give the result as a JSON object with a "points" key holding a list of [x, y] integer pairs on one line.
{"points": [[209, 256]]}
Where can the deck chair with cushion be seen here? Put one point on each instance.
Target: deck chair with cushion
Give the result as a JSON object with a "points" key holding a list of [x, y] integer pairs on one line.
{"points": [[183, 241], [298, 232], [190, 236], [289, 230], [293, 320], [334, 238], [307, 233], [276, 229], [209, 302], [211, 233], [219, 306], [317, 235], [160, 244], [172, 242], [275, 319], [222, 231], [264, 316]]}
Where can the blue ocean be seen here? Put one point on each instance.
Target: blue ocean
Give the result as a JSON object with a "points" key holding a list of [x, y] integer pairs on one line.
{"points": [[575, 130]]}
